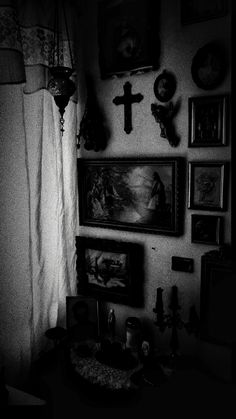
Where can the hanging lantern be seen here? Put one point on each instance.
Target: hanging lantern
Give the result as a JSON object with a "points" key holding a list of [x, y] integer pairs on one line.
{"points": [[60, 85]]}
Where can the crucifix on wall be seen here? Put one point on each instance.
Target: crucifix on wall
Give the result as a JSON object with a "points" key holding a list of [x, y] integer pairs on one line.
{"points": [[127, 100]]}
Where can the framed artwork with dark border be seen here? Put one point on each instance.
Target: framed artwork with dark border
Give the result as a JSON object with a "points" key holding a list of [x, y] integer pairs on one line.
{"points": [[110, 270], [139, 195], [128, 36], [217, 299], [208, 121], [193, 11], [207, 229], [82, 317], [207, 182]]}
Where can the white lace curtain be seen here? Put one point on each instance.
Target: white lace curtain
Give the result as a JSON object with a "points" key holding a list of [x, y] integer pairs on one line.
{"points": [[26, 41]]}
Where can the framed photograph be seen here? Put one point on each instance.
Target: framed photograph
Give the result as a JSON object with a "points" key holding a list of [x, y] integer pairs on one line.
{"points": [[209, 67], [217, 299], [128, 36], [207, 185], [132, 194], [82, 317], [193, 11], [164, 86], [207, 121], [110, 270], [207, 229]]}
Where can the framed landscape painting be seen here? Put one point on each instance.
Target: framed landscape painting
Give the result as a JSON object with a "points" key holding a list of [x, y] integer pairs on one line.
{"points": [[142, 195], [110, 270]]}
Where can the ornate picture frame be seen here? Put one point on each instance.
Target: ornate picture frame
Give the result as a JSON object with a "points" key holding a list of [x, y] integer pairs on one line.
{"points": [[139, 195], [164, 86], [206, 229], [128, 37], [207, 182], [110, 270], [208, 117]]}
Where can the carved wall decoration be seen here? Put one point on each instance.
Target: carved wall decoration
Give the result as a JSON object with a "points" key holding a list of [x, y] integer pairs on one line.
{"points": [[164, 117]]}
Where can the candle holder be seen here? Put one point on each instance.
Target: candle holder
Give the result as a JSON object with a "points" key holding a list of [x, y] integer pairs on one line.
{"points": [[173, 320]]}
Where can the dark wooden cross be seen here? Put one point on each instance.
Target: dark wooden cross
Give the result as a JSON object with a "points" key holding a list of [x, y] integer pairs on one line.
{"points": [[127, 99]]}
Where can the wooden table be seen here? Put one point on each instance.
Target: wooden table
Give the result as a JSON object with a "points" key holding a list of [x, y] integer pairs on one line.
{"points": [[185, 391]]}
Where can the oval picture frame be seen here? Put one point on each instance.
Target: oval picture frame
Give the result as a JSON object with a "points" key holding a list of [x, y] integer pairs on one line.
{"points": [[164, 86], [208, 66]]}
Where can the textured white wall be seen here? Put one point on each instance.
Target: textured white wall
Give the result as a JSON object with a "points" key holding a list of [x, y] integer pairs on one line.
{"points": [[178, 46]]}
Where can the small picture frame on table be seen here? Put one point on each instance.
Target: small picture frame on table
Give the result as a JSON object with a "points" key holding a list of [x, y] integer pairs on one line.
{"points": [[207, 229], [208, 121], [207, 182], [82, 318]]}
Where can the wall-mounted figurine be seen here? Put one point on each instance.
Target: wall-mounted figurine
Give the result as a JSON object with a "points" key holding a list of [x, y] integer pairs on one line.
{"points": [[163, 116], [164, 86], [127, 100]]}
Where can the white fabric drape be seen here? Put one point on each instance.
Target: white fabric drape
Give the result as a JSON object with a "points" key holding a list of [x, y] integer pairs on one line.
{"points": [[25, 47], [51, 167]]}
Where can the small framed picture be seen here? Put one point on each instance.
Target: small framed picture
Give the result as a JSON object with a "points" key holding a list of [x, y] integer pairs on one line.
{"points": [[193, 11], [207, 229], [164, 86], [207, 185], [207, 121], [110, 270], [82, 318]]}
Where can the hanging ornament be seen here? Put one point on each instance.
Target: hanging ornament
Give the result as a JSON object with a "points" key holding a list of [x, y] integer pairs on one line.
{"points": [[60, 85], [61, 88]]}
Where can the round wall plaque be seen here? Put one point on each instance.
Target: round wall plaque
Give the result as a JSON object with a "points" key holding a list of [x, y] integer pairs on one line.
{"points": [[208, 66], [164, 86]]}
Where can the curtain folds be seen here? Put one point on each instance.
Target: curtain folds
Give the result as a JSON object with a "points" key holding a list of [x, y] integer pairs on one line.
{"points": [[51, 164], [26, 39]]}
